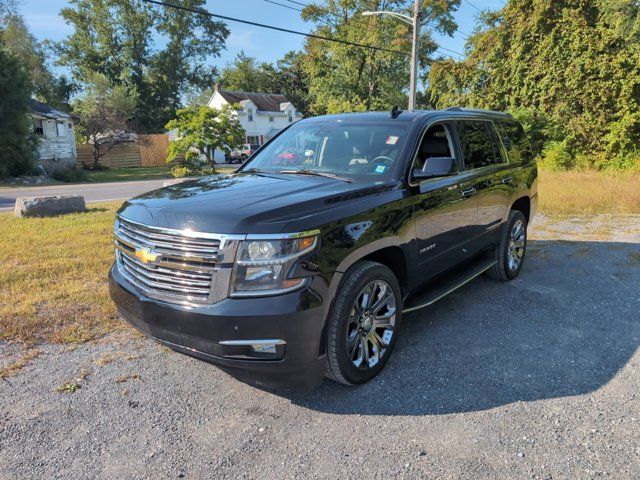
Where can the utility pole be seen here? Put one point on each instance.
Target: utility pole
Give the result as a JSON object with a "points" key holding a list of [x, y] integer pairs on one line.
{"points": [[413, 79], [415, 23]]}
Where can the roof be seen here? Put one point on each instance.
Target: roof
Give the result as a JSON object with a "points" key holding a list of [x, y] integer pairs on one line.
{"points": [[411, 116], [269, 102], [47, 111]]}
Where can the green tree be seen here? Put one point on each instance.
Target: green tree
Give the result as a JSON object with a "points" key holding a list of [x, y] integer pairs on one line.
{"points": [[247, 75], [574, 62], [159, 52], [16, 132], [347, 78], [202, 130], [105, 112], [46, 87], [287, 77]]}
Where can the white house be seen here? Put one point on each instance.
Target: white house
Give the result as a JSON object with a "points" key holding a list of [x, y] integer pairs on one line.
{"points": [[262, 115], [57, 145]]}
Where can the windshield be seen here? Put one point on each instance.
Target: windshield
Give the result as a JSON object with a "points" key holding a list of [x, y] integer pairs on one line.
{"points": [[360, 152]]}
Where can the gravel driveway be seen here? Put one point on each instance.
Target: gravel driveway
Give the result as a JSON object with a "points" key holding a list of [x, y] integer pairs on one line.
{"points": [[537, 378]]}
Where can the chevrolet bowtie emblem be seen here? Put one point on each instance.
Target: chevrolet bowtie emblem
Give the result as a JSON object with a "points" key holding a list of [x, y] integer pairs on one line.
{"points": [[146, 255]]}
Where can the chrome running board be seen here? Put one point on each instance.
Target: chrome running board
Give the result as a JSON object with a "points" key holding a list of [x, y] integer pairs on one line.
{"points": [[432, 295]]}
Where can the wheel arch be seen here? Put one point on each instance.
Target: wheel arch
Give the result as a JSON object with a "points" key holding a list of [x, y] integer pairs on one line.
{"points": [[386, 251], [523, 204]]}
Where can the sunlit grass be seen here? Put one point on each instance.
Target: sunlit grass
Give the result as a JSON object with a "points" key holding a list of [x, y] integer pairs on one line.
{"points": [[53, 280], [578, 193]]}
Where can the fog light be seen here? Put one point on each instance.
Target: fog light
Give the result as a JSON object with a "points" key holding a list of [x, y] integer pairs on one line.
{"points": [[267, 349], [264, 348]]}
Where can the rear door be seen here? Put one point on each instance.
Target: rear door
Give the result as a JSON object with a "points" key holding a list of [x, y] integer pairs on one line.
{"points": [[485, 162]]}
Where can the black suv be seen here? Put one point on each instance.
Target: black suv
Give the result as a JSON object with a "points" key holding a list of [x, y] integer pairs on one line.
{"points": [[301, 263]]}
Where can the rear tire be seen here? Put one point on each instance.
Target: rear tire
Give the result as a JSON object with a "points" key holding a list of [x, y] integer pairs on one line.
{"points": [[512, 248], [363, 323]]}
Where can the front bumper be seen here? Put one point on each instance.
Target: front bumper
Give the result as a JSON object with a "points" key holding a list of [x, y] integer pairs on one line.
{"points": [[211, 332]]}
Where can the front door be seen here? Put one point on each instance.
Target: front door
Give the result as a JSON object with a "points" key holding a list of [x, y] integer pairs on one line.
{"points": [[445, 208]]}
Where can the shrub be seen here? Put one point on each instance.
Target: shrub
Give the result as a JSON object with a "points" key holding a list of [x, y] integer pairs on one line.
{"points": [[540, 128], [181, 171], [69, 175], [556, 156]]}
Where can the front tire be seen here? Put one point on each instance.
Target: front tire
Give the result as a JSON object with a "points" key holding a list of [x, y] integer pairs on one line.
{"points": [[363, 323], [512, 248]]}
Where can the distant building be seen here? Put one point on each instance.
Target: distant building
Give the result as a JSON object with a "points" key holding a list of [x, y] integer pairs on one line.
{"points": [[54, 128], [262, 115]]}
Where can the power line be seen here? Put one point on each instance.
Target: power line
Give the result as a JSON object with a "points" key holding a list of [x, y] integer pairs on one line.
{"points": [[283, 5], [200, 11], [472, 5], [449, 50], [297, 3], [358, 19]]}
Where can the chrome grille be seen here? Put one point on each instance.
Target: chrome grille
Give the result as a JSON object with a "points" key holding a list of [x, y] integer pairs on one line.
{"points": [[187, 268]]}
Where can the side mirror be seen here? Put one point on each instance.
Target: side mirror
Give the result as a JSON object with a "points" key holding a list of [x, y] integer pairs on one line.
{"points": [[435, 167]]}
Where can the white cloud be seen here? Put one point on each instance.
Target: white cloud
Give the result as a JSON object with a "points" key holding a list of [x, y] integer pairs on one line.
{"points": [[241, 40]]}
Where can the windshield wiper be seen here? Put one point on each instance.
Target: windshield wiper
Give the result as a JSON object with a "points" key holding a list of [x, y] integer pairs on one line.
{"points": [[306, 171]]}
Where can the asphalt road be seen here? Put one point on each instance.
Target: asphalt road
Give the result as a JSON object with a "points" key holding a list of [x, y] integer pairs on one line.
{"points": [[99, 192], [535, 378]]}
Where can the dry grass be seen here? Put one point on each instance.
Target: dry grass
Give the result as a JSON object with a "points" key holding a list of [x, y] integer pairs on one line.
{"points": [[13, 368], [574, 193], [53, 280], [124, 378]]}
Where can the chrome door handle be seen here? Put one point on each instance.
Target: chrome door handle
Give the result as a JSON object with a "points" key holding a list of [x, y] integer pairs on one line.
{"points": [[506, 180], [468, 193]]}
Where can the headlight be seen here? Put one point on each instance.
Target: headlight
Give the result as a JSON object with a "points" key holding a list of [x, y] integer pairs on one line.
{"points": [[263, 266]]}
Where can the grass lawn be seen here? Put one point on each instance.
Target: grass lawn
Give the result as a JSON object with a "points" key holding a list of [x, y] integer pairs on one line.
{"points": [[54, 276], [569, 193], [119, 175], [54, 270], [127, 174], [139, 173]]}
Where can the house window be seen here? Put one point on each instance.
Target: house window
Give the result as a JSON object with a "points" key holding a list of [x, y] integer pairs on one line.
{"points": [[290, 116], [270, 119], [60, 131], [38, 127], [253, 139], [250, 114], [70, 125]]}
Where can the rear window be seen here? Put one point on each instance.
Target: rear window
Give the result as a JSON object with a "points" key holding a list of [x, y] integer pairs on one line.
{"points": [[478, 142], [515, 141]]}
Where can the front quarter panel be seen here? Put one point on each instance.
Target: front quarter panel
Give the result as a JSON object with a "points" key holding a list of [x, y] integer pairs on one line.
{"points": [[389, 223]]}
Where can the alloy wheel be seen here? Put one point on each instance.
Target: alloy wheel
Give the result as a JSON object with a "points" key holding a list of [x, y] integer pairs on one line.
{"points": [[517, 245], [371, 323]]}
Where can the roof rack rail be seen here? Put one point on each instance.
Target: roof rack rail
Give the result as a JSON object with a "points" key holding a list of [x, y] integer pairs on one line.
{"points": [[478, 110]]}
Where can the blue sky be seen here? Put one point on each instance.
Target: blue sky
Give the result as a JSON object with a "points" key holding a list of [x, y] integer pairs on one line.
{"points": [[45, 23]]}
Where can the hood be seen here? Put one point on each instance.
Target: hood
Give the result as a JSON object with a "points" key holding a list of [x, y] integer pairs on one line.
{"points": [[252, 203]]}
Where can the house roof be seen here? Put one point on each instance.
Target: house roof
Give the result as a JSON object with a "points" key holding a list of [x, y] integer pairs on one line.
{"points": [[268, 102], [47, 111]]}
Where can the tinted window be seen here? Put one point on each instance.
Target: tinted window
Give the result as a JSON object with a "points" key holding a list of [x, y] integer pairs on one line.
{"points": [[435, 143], [515, 141], [478, 144]]}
